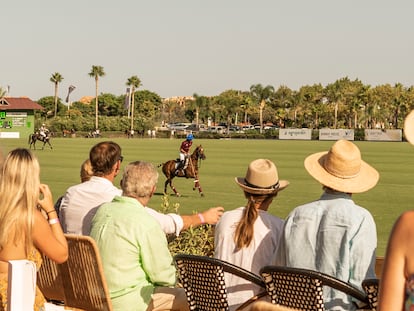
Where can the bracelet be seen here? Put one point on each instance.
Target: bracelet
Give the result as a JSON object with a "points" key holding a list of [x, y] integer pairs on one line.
{"points": [[53, 221], [50, 212], [203, 221]]}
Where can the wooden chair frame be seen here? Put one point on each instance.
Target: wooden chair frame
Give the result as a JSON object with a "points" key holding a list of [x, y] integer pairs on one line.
{"points": [[79, 282]]}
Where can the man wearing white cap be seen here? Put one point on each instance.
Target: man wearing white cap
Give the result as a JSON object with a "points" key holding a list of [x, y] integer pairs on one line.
{"points": [[333, 235]]}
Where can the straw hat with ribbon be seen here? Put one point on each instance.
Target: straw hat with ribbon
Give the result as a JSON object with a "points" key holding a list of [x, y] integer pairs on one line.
{"points": [[261, 178], [409, 127], [342, 169]]}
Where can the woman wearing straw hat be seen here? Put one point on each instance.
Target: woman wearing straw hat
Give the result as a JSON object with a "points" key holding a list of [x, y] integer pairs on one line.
{"points": [[248, 236], [397, 279], [333, 235]]}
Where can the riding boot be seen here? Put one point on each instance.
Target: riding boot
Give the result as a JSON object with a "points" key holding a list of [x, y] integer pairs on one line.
{"points": [[180, 166]]}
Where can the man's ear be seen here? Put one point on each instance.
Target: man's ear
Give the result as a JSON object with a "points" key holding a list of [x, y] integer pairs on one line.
{"points": [[153, 190], [117, 167]]}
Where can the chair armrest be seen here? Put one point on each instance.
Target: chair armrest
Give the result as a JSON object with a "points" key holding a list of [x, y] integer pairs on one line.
{"points": [[227, 267]]}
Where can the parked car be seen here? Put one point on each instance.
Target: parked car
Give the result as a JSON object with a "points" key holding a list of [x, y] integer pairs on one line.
{"points": [[236, 129], [217, 129], [178, 126], [197, 128], [248, 127]]}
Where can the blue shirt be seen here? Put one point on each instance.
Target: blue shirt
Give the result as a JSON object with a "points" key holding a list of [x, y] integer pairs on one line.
{"points": [[134, 253], [332, 235]]}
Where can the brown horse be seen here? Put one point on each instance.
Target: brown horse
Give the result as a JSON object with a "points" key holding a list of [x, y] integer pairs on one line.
{"points": [[169, 169], [36, 136]]}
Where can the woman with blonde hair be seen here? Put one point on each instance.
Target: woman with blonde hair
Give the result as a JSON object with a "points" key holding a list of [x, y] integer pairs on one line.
{"points": [[248, 236], [28, 221]]}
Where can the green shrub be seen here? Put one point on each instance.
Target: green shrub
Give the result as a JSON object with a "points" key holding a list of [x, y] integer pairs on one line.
{"points": [[195, 241]]}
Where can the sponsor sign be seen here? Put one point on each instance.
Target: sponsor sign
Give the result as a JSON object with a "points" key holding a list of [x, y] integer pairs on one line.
{"points": [[335, 134], [9, 135], [16, 114], [383, 135], [304, 134]]}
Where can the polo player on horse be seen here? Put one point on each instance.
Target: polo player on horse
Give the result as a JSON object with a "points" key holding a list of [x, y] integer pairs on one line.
{"points": [[43, 131], [184, 154]]}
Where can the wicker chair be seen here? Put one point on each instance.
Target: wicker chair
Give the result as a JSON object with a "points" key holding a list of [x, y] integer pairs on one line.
{"points": [[302, 288], [49, 281], [79, 283], [371, 287], [203, 280], [83, 277]]}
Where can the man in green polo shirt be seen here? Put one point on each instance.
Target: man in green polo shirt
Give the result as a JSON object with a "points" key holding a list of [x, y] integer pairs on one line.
{"points": [[137, 264]]}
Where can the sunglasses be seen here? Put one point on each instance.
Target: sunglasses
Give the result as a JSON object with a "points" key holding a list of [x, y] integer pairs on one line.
{"points": [[121, 158]]}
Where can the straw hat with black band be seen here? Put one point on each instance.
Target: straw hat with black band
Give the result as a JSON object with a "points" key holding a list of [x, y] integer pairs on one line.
{"points": [[261, 178], [342, 169]]}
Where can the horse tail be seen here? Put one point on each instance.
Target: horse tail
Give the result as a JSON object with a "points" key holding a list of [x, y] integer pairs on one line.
{"points": [[30, 138]]}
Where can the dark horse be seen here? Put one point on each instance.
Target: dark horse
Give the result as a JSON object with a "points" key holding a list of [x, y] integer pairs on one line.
{"points": [[169, 170], [36, 136]]}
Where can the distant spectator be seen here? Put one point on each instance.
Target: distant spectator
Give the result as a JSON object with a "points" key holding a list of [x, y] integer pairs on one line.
{"points": [[86, 171]]}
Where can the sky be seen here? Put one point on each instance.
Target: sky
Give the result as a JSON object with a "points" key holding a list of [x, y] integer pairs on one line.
{"points": [[183, 47]]}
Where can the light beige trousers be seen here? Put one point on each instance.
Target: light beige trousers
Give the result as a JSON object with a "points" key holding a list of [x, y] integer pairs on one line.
{"points": [[168, 298]]}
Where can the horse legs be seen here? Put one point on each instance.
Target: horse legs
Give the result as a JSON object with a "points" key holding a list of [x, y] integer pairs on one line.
{"points": [[197, 185], [169, 181]]}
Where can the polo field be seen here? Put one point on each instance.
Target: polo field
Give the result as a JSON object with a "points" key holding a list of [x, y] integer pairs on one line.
{"points": [[226, 159]]}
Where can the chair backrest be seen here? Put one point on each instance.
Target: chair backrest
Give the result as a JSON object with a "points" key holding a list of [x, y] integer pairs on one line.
{"points": [[83, 277], [203, 280], [371, 287], [49, 280], [302, 288]]}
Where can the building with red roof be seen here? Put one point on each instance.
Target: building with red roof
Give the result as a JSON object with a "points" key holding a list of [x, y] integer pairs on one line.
{"points": [[17, 116]]}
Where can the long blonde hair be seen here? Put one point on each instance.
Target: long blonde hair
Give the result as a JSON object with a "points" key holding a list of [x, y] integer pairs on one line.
{"points": [[19, 193], [243, 235]]}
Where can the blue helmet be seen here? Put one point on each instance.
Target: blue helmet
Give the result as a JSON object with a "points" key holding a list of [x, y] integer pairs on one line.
{"points": [[190, 137]]}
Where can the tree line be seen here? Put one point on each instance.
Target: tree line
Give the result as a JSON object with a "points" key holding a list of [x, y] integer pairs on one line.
{"points": [[344, 103]]}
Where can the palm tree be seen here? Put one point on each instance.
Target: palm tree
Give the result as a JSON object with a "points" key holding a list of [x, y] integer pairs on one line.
{"points": [[134, 82], [96, 72], [56, 78], [261, 95]]}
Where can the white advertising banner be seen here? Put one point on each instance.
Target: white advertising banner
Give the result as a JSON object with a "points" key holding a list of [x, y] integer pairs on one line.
{"points": [[383, 135], [304, 134], [336, 134], [9, 134]]}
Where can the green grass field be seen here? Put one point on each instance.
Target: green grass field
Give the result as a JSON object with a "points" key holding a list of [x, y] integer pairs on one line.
{"points": [[227, 159]]}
